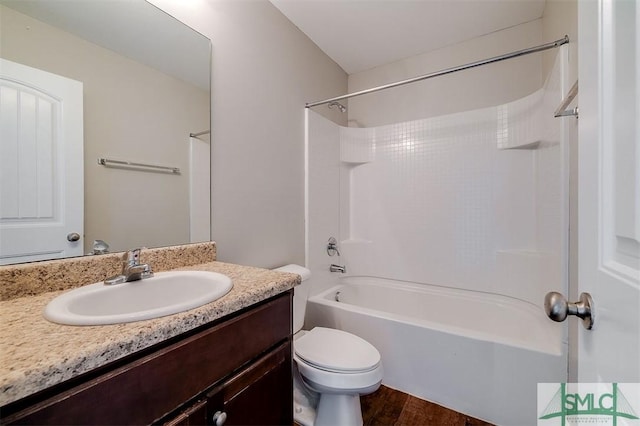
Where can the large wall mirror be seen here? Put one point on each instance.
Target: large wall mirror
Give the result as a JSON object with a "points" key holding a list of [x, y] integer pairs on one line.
{"points": [[131, 85]]}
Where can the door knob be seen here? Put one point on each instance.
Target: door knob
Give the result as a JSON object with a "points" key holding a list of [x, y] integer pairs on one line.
{"points": [[74, 236], [557, 308]]}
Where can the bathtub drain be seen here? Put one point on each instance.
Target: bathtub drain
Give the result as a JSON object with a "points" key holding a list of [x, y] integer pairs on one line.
{"points": [[337, 296]]}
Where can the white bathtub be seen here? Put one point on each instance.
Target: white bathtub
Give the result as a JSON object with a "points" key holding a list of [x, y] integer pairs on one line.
{"points": [[476, 353]]}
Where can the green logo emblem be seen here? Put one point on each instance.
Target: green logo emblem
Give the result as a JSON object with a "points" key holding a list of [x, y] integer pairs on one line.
{"points": [[583, 407]]}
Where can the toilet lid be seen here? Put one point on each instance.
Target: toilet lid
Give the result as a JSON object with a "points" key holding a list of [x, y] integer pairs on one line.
{"points": [[336, 350]]}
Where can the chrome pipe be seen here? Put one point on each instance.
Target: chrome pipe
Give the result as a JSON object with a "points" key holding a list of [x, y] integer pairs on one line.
{"points": [[341, 107], [338, 268], [515, 54], [195, 135]]}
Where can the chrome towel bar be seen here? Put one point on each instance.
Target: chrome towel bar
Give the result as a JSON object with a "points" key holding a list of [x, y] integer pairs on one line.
{"points": [[562, 110], [121, 164], [195, 135]]}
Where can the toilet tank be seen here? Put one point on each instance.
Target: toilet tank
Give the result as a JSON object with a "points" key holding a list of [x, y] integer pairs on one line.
{"points": [[300, 293]]}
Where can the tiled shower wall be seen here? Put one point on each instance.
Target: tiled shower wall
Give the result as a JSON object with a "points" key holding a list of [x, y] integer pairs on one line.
{"points": [[471, 200]]}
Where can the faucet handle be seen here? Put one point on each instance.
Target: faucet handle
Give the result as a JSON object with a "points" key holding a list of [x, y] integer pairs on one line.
{"points": [[132, 269], [132, 257], [332, 247]]}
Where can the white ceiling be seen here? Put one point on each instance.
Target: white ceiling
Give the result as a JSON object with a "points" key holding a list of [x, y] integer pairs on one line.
{"points": [[363, 34]]}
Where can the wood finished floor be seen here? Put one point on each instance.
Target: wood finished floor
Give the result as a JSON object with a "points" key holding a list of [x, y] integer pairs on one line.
{"points": [[389, 407]]}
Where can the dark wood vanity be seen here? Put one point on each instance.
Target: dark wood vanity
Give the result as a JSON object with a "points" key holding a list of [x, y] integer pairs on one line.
{"points": [[235, 370]]}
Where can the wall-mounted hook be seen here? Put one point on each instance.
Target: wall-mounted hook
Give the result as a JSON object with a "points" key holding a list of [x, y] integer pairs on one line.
{"points": [[332, 247]]}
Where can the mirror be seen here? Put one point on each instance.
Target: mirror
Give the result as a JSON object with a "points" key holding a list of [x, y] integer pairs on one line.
{"points": [[145, 81]]}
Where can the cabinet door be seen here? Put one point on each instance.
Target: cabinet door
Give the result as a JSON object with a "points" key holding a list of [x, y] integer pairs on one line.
{"points": [[261, 394], [196, 415]]}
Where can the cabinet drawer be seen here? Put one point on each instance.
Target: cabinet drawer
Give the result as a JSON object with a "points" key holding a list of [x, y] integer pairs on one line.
{"points": [[148, 388], [261, 394]]}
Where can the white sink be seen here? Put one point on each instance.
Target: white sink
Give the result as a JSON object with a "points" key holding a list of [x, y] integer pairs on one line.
{"points": [[163, 294]]}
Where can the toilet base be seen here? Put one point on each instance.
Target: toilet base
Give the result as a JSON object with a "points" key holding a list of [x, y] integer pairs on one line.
{"points": [[339, 409], [305, 401]]}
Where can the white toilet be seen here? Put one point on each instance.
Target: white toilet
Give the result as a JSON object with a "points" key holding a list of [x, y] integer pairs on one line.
{"points": [[336, 365]]}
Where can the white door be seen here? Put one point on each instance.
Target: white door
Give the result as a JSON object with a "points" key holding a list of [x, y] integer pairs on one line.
{"points": [[41, 165], [609, 194]]}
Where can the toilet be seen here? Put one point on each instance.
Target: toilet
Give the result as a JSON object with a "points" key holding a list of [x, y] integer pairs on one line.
{"points": [[332, 368]]}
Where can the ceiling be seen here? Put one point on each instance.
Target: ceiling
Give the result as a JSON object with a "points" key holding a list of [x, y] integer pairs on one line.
{"points": [[363, 34]]}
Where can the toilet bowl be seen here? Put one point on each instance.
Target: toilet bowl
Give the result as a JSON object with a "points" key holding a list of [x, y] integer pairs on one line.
{"points": [[340, 367], [332, 367]]}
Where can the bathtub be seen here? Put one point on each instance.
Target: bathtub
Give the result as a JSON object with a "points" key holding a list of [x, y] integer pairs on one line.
{"points": [[476, 353]]}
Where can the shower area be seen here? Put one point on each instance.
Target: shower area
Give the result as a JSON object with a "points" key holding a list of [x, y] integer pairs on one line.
{"points": [[451, 229]]}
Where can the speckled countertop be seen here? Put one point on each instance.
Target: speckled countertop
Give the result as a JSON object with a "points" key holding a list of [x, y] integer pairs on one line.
{"points": [[36, 354]]}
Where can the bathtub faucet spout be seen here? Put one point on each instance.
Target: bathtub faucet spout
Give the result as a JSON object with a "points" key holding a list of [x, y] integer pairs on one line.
{"points": [[337, 268]]}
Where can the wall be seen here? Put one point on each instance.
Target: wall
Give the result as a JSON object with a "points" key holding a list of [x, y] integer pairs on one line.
{"points": [[264, 71], [466, 90], [519, 208], [324, 173], [471, 200], [120, 123], [561, 17]]}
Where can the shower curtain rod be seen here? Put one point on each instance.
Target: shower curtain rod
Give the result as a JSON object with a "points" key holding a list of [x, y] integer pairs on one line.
{"points": [[515, 54]]}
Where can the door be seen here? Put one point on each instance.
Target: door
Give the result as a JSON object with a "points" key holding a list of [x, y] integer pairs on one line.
{"points": [[609, 189], [41, 165]]}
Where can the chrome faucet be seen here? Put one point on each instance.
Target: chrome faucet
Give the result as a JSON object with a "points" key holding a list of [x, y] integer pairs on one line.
{"points": [[337, 268], [132, 269]]}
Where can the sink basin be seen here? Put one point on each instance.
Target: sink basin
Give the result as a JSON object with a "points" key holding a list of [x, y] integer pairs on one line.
{"points": [[163, 294]]}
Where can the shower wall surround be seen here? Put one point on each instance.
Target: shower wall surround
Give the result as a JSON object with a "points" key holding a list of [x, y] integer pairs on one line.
{"points": [[471, 200]]}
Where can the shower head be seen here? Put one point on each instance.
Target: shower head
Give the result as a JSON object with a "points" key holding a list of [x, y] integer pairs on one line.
{"points": [[341, 107]]}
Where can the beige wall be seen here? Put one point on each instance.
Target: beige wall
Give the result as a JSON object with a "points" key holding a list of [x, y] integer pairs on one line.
{"points": [[466, 90], [264, 71], [131, 112], [560, 17], [476, 88]]}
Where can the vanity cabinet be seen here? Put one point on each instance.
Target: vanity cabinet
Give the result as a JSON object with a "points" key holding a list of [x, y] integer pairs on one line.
{"points": [[239, 365], [257, 395]]}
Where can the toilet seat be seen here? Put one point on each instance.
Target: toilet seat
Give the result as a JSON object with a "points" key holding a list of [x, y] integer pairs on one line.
{"points": [[333, 361], [336, 351]]}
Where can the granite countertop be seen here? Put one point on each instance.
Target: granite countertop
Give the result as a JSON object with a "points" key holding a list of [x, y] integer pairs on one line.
{"points": [[36, 354]]}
